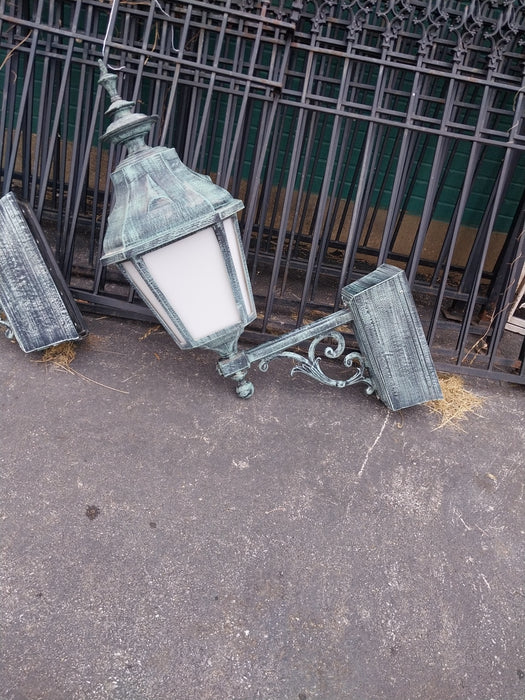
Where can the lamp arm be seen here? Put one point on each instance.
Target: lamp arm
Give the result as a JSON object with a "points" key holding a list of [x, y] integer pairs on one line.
{"points": [[237, 365]]}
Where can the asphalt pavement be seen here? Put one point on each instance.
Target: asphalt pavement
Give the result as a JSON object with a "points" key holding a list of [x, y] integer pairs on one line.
{"points": [[164, 540]]}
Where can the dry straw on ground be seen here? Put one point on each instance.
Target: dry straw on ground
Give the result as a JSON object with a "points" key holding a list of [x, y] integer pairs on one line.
{"points": [[62, 355], [456, 404]]}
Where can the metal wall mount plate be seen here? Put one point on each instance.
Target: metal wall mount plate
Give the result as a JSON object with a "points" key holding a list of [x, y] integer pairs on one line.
{"points": [[37, 304]]}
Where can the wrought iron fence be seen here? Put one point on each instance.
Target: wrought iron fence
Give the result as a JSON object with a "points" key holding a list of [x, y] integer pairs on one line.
{"points": [[357, 132]]}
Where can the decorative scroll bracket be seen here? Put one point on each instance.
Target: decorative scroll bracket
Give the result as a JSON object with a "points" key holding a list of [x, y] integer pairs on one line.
{"points": [[394, 361], [237, 365]]}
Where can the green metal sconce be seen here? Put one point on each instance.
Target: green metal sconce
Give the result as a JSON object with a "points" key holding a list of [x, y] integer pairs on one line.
{"points": [[175, 236]]}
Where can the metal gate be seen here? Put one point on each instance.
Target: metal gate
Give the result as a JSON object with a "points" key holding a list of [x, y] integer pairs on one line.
{"points": [[357, 132]]}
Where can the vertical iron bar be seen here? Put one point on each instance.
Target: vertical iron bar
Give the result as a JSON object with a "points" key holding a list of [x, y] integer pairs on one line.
{"points": [[289, 192], [54, 130], [197, 151], [170, 107], [25, 96]]}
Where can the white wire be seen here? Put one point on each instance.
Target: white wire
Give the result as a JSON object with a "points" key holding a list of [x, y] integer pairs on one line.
{"points": [[157, 3], [110, 28]]}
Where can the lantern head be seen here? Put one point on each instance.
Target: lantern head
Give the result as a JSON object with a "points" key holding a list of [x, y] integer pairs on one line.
{"points": [[175, 235]]}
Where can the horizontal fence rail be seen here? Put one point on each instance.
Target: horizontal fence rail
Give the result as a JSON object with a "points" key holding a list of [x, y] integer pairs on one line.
{"points": [[357, 132]]}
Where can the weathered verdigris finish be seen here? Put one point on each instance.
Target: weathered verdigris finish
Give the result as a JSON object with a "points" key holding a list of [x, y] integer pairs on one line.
{"points": [[394, 362], [159, 200], [34, 298], [390, 336]]}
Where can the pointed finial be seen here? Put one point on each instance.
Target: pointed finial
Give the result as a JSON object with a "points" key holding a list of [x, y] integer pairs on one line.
{"points": [[108, 80], [127, 128]]}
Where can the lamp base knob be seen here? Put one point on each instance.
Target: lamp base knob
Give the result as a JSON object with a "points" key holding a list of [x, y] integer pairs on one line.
{"points": [[244, 388]]}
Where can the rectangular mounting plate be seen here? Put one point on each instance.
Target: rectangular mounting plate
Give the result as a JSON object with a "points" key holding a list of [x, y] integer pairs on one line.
{"points": [[391, 338], [36, 301]]}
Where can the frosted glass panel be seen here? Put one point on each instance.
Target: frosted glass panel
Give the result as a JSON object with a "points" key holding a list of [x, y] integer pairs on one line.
{"points": [[192, 275], [145, 292], [238, 260]]}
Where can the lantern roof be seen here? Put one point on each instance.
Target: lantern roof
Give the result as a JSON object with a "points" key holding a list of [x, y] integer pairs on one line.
{"points": [[157, 199]]}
